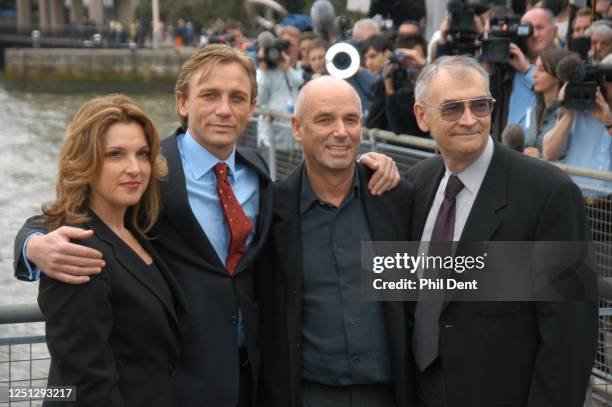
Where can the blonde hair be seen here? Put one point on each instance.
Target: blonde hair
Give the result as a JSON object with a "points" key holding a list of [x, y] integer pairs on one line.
{"points": [[206, 59], [82, 156]]}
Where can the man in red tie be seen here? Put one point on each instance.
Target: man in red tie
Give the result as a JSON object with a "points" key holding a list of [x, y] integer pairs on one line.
{"points": [[216, 214]]}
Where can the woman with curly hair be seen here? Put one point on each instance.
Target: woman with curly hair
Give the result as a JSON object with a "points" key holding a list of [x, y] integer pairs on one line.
{"points": [[115, 338]]}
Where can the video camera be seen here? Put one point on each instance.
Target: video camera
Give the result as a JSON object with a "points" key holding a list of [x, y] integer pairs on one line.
{"points": [[582, 81], [462, 29], [504, 30], [272, 47], [273, 54]]}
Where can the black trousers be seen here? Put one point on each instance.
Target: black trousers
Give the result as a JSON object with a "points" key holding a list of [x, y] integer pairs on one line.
{"points": [[430, 386], [374, 395]]}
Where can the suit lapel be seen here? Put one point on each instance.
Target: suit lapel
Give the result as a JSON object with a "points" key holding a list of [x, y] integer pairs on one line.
{"points": [[483, 219], [425, 192], [178, 211], [264, 217], [131, 262], [375, 209], [382, 227], [286, 232]]}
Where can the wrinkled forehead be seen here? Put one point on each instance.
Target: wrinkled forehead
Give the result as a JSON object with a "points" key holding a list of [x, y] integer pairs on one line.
{"points": [[537, 17], [457, 83], [207, 73]]}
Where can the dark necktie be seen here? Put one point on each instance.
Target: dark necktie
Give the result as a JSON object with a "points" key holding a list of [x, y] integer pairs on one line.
{"points": [[426, 326], [238, 223]]}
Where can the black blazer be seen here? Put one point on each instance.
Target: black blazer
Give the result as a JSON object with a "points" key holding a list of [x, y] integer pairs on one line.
{"points": [[117, 338], [514, 354], [208, 373], [279, 282]]}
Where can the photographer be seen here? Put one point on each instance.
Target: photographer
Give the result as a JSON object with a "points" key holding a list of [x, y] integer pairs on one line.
{"points": [[458, 31], [316, 59], [546, 84], [584, 136], [392, 108], [374, 52], [601, 40], [512, 85], [278, 83]]}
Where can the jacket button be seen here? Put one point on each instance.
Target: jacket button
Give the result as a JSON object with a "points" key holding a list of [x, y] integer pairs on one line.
{"points": [[298, 344], [233, 319], [172, 371]]}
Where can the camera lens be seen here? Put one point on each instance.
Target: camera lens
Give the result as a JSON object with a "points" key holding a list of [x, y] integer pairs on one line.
{"points": [[342, 60]]}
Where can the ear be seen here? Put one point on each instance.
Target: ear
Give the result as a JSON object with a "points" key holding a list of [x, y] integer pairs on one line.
{"points": [[252, 107], [181, 103], [296, 130], [419, 113]]}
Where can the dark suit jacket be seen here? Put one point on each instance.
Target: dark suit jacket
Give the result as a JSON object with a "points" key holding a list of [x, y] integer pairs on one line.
{"points": [[117, 338], [208, 372], [514, 354], [279, 282]]}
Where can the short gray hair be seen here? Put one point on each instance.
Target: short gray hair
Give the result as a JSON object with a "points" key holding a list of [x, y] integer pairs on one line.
{"points": [[601, 28], [460, 64], [366, 24], [551, 15]]}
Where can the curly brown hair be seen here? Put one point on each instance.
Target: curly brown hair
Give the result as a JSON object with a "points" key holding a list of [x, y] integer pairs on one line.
{"points": [[82, 156]]}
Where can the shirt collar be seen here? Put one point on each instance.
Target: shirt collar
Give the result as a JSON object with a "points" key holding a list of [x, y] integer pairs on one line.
{"points": [[201, 160], [308, 196], [474, 174]]}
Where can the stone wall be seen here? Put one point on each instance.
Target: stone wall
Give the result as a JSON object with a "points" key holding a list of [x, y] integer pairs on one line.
{"points": [[107, 70]]}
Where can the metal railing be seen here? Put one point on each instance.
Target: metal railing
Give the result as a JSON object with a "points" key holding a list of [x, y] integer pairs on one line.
{"points": [[270, 133]]}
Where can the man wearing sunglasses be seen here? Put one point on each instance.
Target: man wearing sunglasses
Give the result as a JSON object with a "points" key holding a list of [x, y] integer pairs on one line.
{"points": [[483, 354]]}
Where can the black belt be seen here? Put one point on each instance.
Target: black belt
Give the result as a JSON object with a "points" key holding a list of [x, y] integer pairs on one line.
{"points": [[243, 356]]}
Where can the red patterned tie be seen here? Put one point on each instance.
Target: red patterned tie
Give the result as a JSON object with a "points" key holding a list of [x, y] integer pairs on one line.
{"points": [[239, 224]]}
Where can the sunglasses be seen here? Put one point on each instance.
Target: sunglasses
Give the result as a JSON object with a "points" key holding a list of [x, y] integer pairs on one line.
{"points": [[451, 111]]}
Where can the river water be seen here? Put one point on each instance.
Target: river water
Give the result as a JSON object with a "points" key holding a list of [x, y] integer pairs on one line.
{"points": [[32, 127]]}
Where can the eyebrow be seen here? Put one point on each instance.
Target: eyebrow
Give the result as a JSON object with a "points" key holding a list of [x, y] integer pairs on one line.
{"points": [[445, 101]]}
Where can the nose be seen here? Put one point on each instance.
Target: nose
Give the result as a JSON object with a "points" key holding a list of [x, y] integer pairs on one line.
{"points": [[467, 119], [340, 129], [133, 166], [223, 108]]}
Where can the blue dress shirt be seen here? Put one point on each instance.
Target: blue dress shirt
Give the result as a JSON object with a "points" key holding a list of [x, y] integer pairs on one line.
{"points": [[590, 146], [202, 195], [522, 98], [201, 182]]}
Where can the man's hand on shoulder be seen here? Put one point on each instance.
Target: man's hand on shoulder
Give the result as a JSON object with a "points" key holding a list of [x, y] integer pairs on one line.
{"points": [[385, 177], [60, 259]]}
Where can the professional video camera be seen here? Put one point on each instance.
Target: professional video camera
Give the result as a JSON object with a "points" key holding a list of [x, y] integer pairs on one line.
{"points": [[404, 72], [273, 48], [462, 29], [504, 30], [583, 79]]}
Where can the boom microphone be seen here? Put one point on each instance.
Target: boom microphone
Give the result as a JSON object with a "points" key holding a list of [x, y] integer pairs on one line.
{"points": [[265, 39], [323, 18], [570, 69]]}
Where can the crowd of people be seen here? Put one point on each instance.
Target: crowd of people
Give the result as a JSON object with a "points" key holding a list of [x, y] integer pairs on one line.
{"points": [[526, 86], [177, 273]]}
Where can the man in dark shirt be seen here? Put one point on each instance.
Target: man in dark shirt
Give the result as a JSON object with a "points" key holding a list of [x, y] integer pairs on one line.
{"points": [[323, 346]]}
